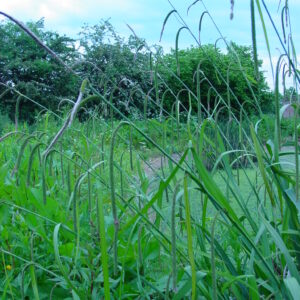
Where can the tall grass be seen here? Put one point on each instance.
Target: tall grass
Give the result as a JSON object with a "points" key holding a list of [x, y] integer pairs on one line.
{"points": [[231, 230]]}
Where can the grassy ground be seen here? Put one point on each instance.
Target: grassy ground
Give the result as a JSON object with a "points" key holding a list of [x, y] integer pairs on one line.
{"points": [[78, 175]]}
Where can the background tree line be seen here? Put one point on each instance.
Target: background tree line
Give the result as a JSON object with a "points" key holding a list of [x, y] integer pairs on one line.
{"points": [[124, 70]]}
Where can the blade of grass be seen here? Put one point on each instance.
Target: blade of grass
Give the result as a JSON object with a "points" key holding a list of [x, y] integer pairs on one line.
{"points": [[189, 236], [59, 262], [103, 247]]}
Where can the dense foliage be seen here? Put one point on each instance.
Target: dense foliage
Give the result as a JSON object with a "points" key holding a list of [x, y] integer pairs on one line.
{"points": [[122, 68], [229, 75], [26, 67]]}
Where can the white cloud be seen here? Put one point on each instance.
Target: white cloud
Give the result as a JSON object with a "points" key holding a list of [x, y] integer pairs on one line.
{"points": [[57, 9]]}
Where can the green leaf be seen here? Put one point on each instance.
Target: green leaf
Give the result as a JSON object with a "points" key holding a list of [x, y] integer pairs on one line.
{"points": [[165, 22], [103, 248], [190, 237], [283, 248], [59, 263], [293, 286]]}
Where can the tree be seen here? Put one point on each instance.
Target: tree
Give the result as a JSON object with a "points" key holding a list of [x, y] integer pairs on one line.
{"points": [[219, 70], [124, 72], [32, 71], [117, 67]]}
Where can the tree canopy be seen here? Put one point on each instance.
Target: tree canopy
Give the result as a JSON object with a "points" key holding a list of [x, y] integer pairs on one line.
{"points": [[225, 78], [125, 71], [27, 68]]}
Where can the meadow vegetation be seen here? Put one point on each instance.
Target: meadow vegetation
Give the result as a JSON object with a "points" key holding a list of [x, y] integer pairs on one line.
{"points": [[127, 173]]}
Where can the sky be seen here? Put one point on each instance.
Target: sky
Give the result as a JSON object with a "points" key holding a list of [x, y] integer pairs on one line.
{"points": [[146, 18]]}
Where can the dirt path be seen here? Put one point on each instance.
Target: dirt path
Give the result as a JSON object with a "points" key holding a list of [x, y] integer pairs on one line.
{"points": [[156, 163]]}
